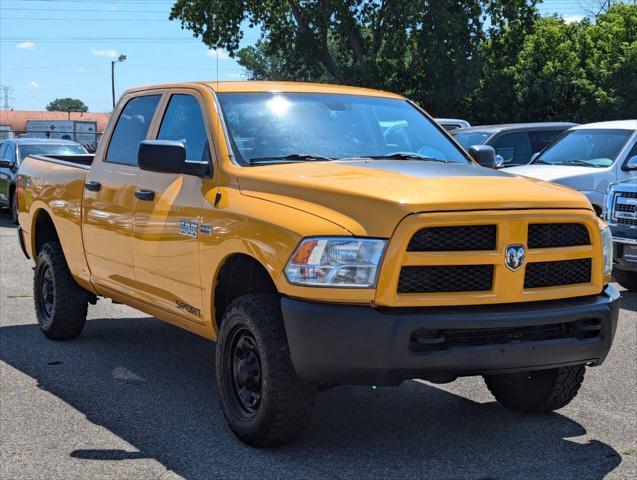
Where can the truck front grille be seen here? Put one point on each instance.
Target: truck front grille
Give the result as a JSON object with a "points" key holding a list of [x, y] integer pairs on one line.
{"points": [[434, 279], [453, 239], [430, 340], [460, 258], [552, 235], [553, 274]]}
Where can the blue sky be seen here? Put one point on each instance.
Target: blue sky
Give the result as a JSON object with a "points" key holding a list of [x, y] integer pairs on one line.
{"points": [[63, 48]]}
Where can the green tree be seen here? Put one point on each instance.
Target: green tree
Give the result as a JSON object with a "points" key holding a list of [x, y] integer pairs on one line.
{"points": [[427, 50], [584, 71], [67, 105]]}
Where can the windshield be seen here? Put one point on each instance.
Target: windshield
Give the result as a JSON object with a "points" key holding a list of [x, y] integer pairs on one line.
{"points": [[306, 126], [585, 148], [468, 139], [50, 149]]}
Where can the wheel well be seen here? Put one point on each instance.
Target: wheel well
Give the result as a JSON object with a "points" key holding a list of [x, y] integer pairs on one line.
{"points": [[44, 231], [598, 210], [239, 275]]}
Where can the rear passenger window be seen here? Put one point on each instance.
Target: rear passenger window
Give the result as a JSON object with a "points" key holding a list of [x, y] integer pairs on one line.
{"points": [[132, 128], [183, 122], [3, 148], [514, 148]]}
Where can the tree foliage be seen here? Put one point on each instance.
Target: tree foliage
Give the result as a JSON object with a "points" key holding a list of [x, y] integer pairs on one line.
{"points": [[488, 60], [67, 105]]}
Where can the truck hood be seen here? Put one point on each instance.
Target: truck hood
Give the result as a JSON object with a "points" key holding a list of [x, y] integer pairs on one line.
{"points": [[370, 197], [580, 178]]}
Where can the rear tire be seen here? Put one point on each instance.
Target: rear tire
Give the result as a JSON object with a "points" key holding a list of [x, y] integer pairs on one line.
{"points": [[263, 401], [537, 391], [626, 279], [13, 206], [61, 304]]}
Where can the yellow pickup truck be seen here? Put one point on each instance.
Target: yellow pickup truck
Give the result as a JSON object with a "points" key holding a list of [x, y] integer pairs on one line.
{"points": [[322, 235]]}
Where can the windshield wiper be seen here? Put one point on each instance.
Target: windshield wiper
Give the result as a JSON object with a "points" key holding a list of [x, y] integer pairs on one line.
{"points": [[579, 162], [293, 157], [405, 156]]}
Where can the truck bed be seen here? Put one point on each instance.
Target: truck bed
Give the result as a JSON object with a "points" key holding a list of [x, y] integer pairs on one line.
{"points": [[55, 185]]}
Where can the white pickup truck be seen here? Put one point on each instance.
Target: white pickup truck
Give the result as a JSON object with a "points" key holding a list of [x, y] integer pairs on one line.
{"points": [[588, 158]]}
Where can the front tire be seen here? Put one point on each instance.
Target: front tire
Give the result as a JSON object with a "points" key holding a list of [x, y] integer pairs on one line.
{"points": [[263, 401], [626, 279], [61, 304], [537, 391]]}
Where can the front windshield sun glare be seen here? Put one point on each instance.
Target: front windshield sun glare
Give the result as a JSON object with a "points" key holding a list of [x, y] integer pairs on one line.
{"points": [[267, 128]]}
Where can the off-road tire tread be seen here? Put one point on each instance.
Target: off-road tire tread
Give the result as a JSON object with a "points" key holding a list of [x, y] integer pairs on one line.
{"points": [[71, 307], [292, 399], [511, 390], [626, 279]]}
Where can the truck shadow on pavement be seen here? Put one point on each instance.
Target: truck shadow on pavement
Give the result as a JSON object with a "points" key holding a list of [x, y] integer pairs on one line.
{"points": [[153, 385]]}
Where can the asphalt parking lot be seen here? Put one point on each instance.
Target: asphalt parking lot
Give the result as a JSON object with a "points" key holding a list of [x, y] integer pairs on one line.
{"points": [[134, 398]]}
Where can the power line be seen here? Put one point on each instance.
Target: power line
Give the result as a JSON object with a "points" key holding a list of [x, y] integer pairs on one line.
{"points": [[90, 19]]}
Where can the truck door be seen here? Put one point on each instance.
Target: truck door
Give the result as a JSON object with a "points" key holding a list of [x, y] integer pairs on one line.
{"points": [[109, 198], [167, 216]]}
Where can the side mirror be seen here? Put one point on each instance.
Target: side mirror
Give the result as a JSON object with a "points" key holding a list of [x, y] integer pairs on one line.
{"points": [[5, 163], [484, 155], [631, 164], [168, 156]]}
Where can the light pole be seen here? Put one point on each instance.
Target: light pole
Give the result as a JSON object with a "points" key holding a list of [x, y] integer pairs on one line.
{"points": [[120, 59]]}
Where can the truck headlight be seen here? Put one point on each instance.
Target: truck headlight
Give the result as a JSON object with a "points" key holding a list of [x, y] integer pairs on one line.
{"points": [[607, 248], [336, 262]]}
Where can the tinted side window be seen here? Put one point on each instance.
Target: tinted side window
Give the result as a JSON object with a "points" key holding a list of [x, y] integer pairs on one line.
{"points": [[514, 148], [183, 122], [3, 148], [132, 127], [541, 138]]}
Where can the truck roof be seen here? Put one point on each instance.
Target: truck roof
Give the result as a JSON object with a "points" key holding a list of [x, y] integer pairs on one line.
{"points": [[268, 86]]}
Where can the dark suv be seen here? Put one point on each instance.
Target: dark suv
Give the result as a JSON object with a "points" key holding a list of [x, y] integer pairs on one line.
{"points": [[13, 150], [515, 143]]}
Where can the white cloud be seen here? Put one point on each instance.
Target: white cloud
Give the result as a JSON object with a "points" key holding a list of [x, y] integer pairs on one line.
{"points": [[33, 84], [223, 55], [109, 52], [26, 45], [573, 18]]}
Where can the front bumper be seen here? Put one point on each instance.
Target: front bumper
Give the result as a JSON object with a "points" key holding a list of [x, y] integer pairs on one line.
{"points": [[362, 345], [621, 259]]}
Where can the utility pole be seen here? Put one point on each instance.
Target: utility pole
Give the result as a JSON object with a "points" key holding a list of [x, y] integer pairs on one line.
{"points": [[5, 96], [120, 59]]}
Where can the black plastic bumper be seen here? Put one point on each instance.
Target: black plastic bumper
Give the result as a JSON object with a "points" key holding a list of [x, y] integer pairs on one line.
{"points": [[362, 345]]}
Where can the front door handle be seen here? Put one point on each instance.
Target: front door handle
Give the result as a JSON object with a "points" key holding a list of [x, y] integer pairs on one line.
{"points": [[147, 195], [93, 186]]}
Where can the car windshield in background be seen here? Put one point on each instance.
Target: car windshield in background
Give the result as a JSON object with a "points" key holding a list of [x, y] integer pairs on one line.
{"points": [[468, 139], [585, 148], [296, 127], [50, 149]]}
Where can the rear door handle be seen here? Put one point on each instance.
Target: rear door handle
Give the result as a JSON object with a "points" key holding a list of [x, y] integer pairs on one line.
{"points": [[147, 195], [93, 186]]}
